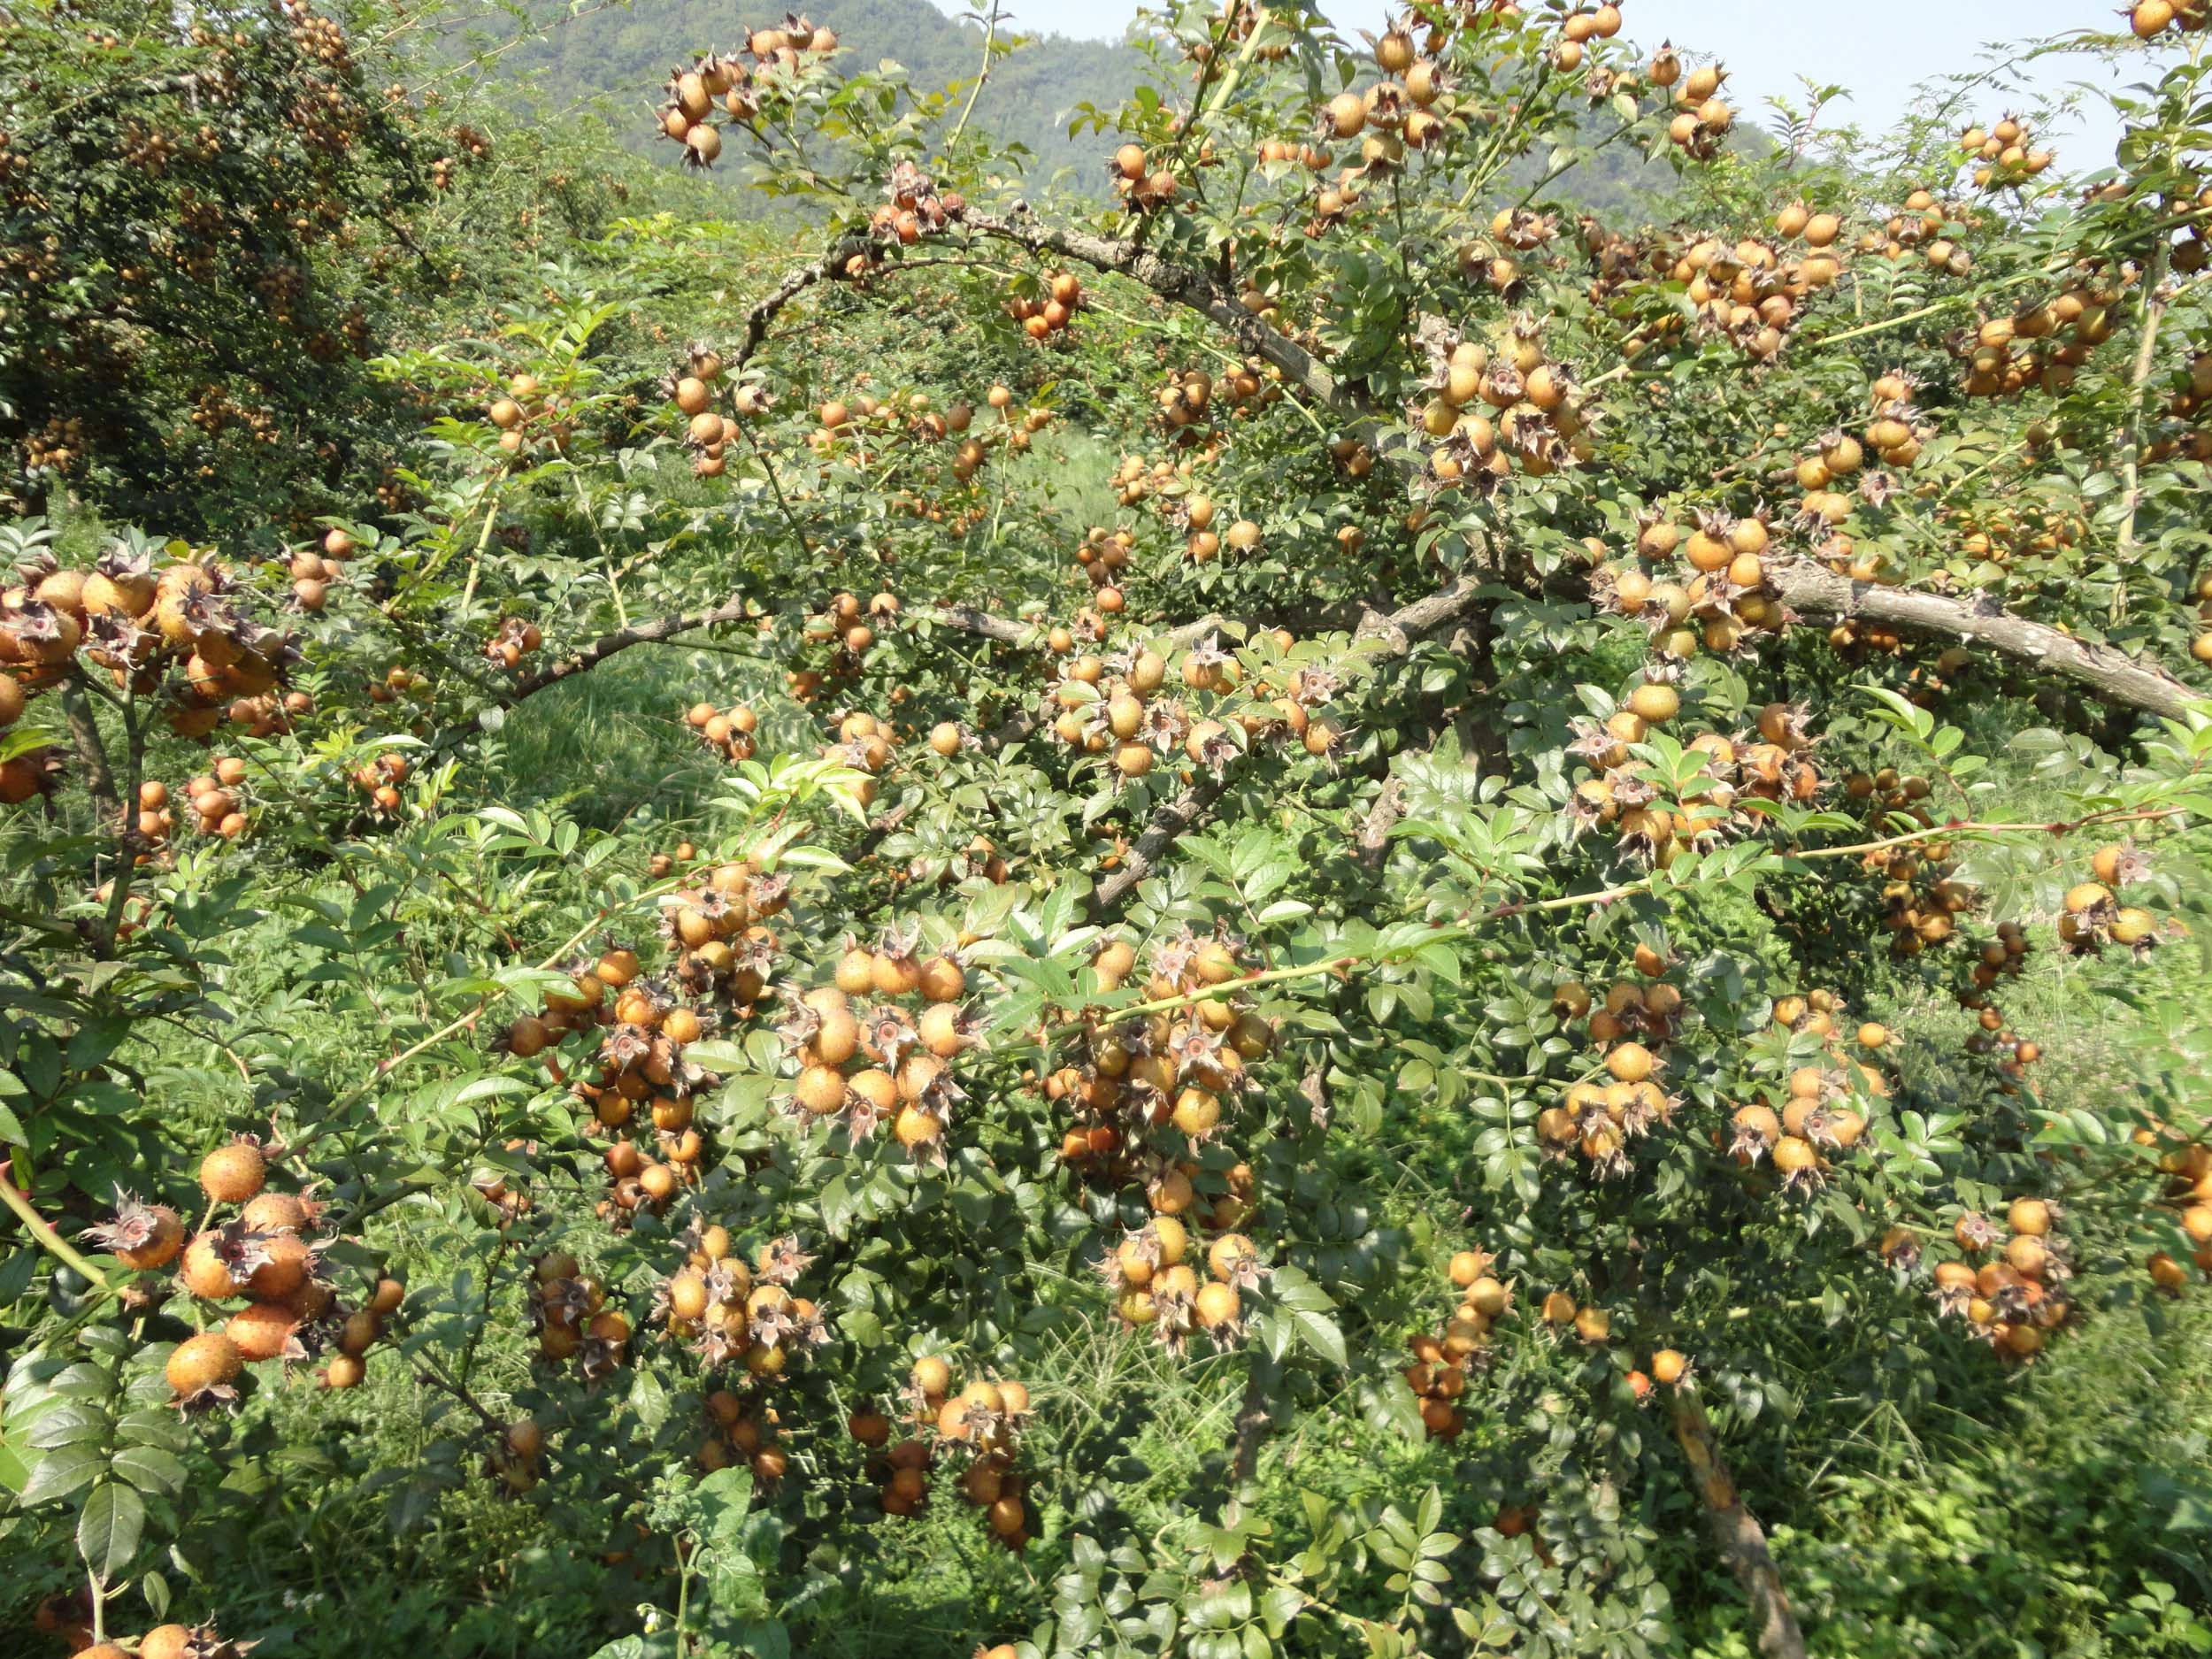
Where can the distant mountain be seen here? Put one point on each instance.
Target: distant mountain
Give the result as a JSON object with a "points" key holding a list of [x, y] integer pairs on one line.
{"points": [[619, 56], [624, 53]]}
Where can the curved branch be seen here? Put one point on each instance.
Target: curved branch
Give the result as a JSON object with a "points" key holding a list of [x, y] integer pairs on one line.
{"points": [[1809, 589], [1169, 822], [2113, 676], [1185, 287], [591, 656], [621, 639], [968, 619], [796, 282]]}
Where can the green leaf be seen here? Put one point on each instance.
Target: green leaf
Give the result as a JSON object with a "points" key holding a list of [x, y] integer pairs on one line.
{"points": [[108, 1530], [58, 1474]]}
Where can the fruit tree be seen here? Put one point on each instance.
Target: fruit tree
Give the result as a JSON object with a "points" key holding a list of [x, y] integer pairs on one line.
{"points": [[1325, 920]]}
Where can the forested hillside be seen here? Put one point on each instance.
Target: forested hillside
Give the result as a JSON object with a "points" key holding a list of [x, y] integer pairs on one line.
{"points": [[621, 54], [612, 57]]}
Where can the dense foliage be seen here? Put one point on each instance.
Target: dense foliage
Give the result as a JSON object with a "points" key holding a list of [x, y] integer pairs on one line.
{"points": [[1323, 903]]}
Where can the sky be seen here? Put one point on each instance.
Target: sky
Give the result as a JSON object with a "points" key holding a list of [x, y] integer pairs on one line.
{"points": [[1880, 49]]}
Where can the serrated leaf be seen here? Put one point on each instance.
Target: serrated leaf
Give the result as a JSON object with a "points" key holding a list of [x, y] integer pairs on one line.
{"points": [[108, 1530]]}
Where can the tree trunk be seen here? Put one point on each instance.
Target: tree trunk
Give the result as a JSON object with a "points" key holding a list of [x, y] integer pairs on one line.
{"points": [[1737, 1534]]}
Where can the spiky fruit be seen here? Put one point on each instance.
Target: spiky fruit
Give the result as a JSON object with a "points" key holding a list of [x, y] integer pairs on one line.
{"points": [[234, 1173], [932, 1375], [285, 1263], [277, 1212], [345, 1371], [201, 1365], [174, 1641], [261, 1330], [1216, 1306], [141, 1236], [1631, 1062], [205, 1272]]}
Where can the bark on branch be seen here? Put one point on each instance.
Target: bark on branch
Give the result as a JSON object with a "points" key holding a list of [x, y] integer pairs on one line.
{"points": [[591, 656], [1185, 287], [968, 619], [1736, 1532], [621, 639], [1169, 822], [2113, 676], [796, 282]]}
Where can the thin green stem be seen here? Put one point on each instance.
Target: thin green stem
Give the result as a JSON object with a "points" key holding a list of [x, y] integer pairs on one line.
{"points": [[40, 1229], [982, 77]]}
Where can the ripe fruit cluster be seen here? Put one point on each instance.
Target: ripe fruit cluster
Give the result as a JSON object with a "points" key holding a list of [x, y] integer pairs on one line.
{"points": [[708, 432], [779, 58], [981, 1425], [2041, 346], [913, 207], [516, 639], [569, 1312], [2006, 153], [1197, 515], [263, 1254], [1922, 894], [1409, 107], [2188, 1166], [2092, 916], [738, 1429], [1752, 291], [315, 571], [864, 1064], [1154, 1287], [1136, 180], [215, 798], [1917, 225], [639, 1061], [2149, 18], [164, 1642], [1149, 1096], [379, 781], [729, 732], [848, 628], [866, 744], [1112, 706], [1774, 763], [527, 415], [634, 1030], [2010, 1289], [516, 1457], [1042, 318], [731, 1314], [1437, 1375], [1598, 1121], [1701, 117], [1491, 406], [1727, 598], [1895, 432], [139, 625], [1820, 1111], [1103, 558]]}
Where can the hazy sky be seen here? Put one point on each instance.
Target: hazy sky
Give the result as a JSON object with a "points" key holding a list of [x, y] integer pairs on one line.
{"points": [[1880, 49]]}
